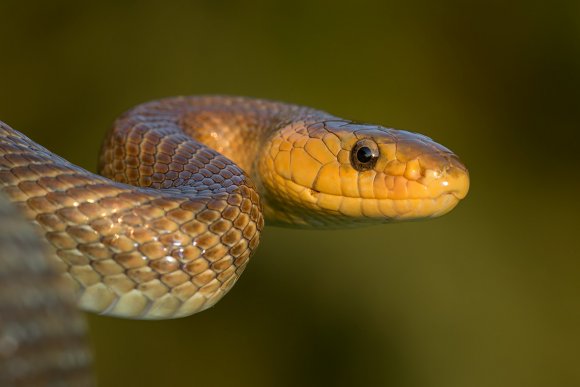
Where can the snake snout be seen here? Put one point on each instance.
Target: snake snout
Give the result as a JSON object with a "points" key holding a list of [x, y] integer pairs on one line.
{"points": [[429, 169], [458, 179], [442, 173]]}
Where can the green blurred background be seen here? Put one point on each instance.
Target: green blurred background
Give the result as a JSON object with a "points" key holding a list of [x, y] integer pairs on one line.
{"points": [[485, 296]]}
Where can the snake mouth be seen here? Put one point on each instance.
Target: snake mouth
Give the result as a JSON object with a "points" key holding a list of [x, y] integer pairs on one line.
{"points": [[406, 200], [370, 210], [458, 195]]}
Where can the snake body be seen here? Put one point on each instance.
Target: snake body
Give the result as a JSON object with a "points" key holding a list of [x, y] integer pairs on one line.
{"points": [[170, 224]]}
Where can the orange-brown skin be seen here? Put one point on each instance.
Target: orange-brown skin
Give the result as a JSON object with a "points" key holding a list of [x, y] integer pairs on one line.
{"points": [[173, 230]]}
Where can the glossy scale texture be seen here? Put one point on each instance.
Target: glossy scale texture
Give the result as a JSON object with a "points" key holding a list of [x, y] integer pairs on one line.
{"points": [[170, 225]]}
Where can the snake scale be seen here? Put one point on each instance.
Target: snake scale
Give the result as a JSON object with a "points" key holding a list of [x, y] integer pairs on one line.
{"points": [[185, 184]]}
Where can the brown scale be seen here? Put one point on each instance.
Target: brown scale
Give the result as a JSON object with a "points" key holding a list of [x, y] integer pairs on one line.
{"points": [[170, 249]]}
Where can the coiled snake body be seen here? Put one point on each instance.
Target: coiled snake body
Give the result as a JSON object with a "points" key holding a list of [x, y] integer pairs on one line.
{"points": [[170, 225]]}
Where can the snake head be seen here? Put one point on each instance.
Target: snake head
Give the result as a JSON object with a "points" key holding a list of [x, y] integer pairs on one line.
{"points": [[339, 173]]}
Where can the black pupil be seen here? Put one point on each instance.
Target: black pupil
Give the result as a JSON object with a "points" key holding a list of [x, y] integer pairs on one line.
{"points": [[364, 154]]}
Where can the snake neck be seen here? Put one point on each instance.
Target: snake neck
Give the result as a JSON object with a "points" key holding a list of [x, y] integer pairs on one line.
{"points": [[241, 129]]}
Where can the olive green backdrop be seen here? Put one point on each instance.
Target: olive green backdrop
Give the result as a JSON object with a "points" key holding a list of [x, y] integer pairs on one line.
{"points": [[485, 296]]}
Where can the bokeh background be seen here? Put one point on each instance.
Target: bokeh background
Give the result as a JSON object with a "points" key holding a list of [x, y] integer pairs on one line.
{"points": [[485, 296]]}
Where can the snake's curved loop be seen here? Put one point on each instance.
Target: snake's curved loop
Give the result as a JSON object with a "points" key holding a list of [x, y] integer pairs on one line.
{"points": [[170, 226]]}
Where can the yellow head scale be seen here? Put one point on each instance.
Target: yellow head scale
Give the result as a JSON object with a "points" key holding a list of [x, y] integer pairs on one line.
{"points": [[339, 173]]}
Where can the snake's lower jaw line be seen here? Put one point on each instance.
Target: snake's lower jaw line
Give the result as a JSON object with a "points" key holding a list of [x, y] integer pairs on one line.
{"points": [[444, 204]]}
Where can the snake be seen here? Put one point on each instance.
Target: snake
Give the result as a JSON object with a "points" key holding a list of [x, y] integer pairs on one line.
{"points": [[186, 185]]}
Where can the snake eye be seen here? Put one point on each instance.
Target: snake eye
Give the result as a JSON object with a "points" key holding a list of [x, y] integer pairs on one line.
{"points": [[364, 155]]}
